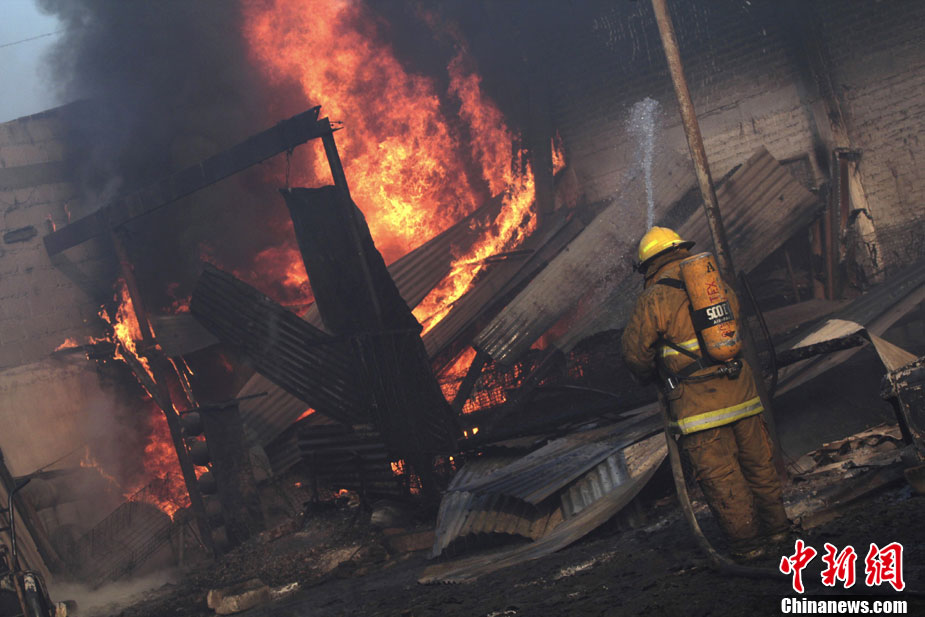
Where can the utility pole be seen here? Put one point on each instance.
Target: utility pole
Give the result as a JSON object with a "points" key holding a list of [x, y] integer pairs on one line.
{"points": [[710, 204]]}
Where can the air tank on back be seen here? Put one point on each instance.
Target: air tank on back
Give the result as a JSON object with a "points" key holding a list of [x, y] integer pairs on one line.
{"points": [[711, 312]]}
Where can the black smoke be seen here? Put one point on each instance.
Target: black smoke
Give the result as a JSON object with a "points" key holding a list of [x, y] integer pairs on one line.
{"points": [[161, 86]]}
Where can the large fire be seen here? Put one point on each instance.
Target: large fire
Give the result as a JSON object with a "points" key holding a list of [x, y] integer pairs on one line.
{"points": [[165, 487], [163, 479], [413, 168], [409, 168]]}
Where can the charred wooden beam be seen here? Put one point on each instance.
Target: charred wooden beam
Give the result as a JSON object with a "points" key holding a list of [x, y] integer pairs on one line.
{"points": [[790, 356], [284, 136], [791, 276], [468, 382], [160, 391], [230, 464], [828, 244], [816, 259], [904, 388]]}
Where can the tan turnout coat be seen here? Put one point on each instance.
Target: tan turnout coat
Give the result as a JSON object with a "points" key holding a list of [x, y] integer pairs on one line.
{"points": [[663, 312]]}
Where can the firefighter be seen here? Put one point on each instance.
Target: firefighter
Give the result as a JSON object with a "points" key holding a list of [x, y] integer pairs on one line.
{"points": [[714, 407]]}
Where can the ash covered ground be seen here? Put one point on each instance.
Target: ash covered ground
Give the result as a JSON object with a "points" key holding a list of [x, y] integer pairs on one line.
{"points": [[345, 566]]}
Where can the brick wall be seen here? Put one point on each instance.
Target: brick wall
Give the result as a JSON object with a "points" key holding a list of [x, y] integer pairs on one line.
{"points": [[742, 82], [748, 81], [878, 61]]}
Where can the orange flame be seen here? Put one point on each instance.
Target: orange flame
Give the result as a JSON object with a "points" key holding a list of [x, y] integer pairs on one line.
{"points": [[68, 343], [558, 154], [451, 376], [178, 304], [125, 327], [287, 261], [305, 414], [514, 223], [406, 163], [397, 146], [89, 462], [160, 458], [168, 491]]}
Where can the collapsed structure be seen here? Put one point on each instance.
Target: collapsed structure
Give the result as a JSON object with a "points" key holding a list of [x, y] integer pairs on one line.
{"points": [[548, 436]]}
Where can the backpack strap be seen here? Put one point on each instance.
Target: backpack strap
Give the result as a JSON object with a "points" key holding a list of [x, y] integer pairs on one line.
{"points": [[670, 282]]}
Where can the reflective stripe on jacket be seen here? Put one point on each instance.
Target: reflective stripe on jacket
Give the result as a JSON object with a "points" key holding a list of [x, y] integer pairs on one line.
{"points": [[717, 417], [662, 311], [692, 345]]}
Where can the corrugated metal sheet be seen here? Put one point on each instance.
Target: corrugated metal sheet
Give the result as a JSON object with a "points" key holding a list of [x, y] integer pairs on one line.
{"points": [[601, 253], [786, 319], [415, 275], [762, 204], [283, 452], [418, 272], [607, 476], [342, 457], [642, 460], [322, 371], [507, 494], [348, 457], [181, 334], [266, 417], [538, 475], [299, 358], [502, 278], [875, 312], [458, 507]]}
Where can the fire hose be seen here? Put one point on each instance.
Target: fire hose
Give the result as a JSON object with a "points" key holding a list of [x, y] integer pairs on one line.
{"points": [[718, 561]]}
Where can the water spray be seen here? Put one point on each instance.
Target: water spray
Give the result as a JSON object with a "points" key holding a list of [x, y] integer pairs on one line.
{"points": [[641, 125]]}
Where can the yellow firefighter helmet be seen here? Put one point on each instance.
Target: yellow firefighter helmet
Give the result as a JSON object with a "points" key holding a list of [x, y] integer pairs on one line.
{"points": [[658, 240]]}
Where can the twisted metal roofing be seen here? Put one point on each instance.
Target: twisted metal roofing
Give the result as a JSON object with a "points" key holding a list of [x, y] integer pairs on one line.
{"points": [[762, 203]]}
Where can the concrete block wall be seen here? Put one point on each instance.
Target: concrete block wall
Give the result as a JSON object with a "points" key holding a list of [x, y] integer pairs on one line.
{"points": [[45, 401], [40, 306]]}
